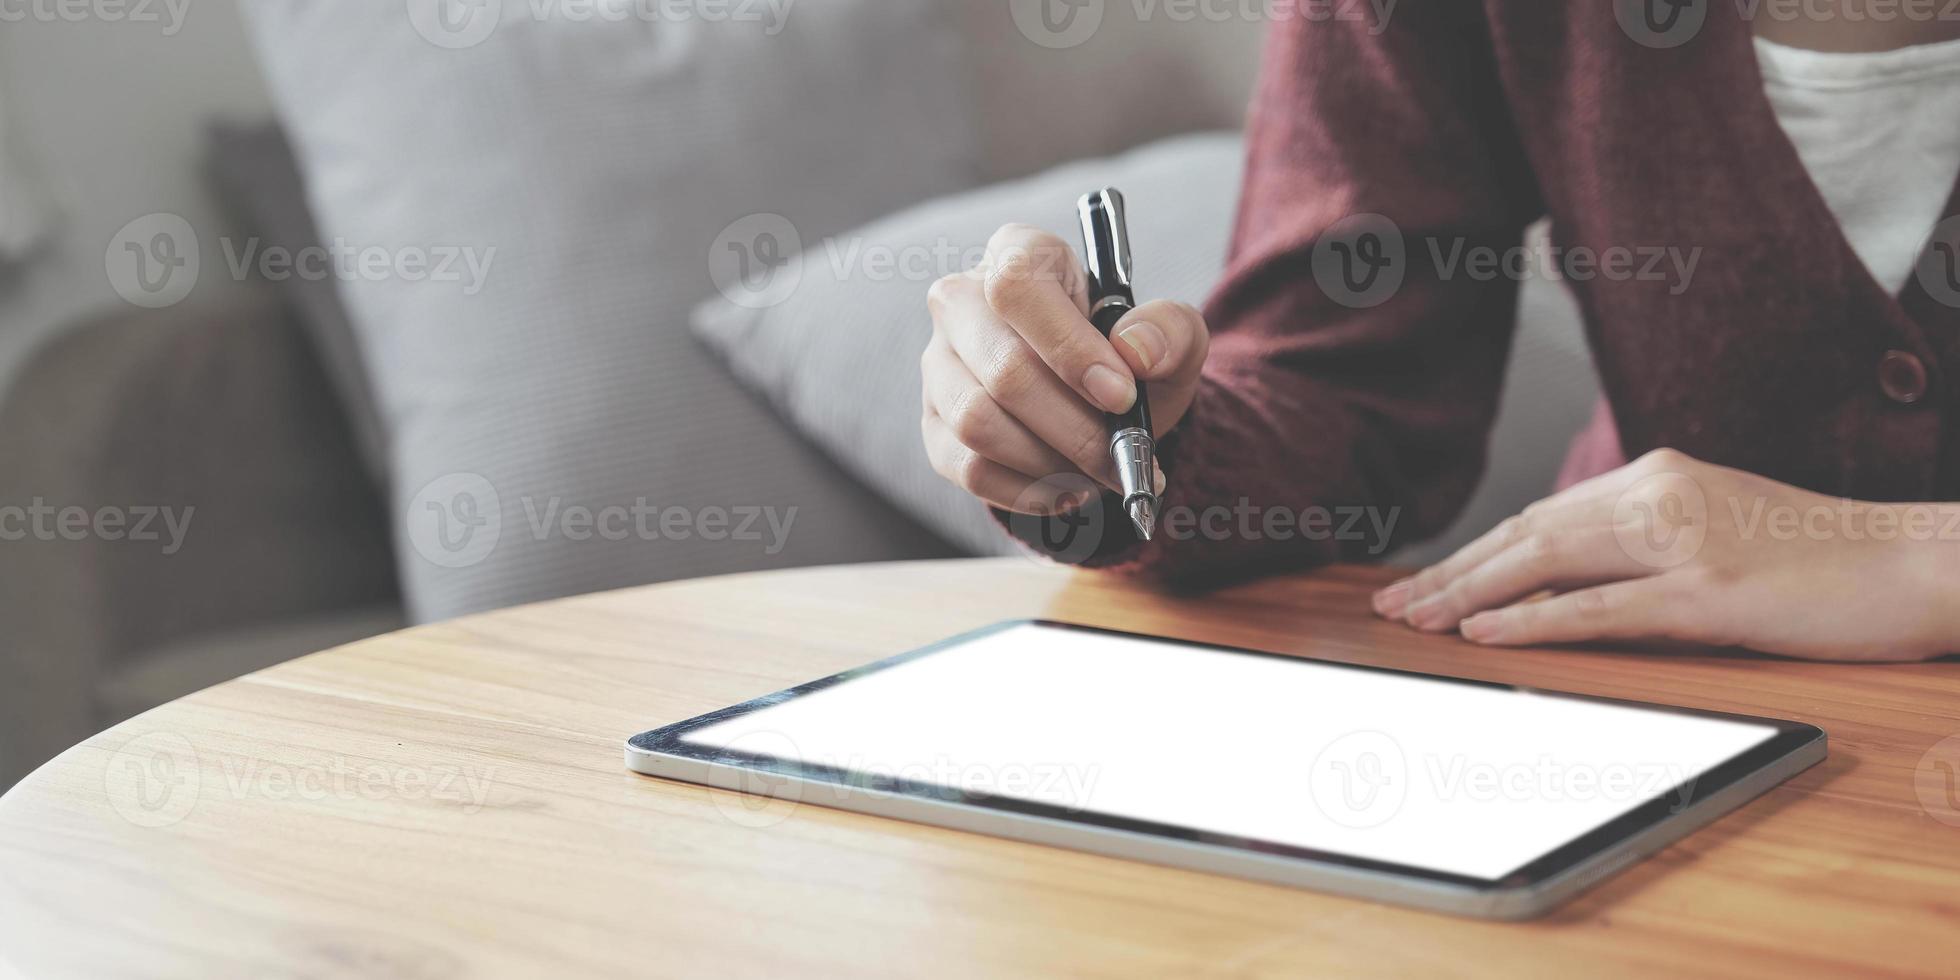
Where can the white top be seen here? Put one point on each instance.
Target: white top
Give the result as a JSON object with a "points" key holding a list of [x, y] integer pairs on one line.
{"points": [[1880, 135]]}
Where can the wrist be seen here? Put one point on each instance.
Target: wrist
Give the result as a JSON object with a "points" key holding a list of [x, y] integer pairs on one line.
{"points": [[1936, 568]]}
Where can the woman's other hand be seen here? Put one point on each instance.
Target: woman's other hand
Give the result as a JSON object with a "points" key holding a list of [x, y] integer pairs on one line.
{"points": [[1669, 547]]}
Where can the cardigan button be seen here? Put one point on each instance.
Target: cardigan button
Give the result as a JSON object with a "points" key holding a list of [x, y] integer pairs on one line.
{"points": [[1902, 376]]}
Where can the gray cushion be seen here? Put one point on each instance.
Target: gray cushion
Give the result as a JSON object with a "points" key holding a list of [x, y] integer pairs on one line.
{"points": [[1103, 78], [601, 159], [840, 355], [255, 173]]}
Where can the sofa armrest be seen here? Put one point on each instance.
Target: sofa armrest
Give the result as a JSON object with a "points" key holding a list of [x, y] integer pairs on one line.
{"points": [[167, 473]]}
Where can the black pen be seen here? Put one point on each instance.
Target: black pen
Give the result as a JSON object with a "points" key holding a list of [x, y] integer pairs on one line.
{"points": [[1106, 252]]}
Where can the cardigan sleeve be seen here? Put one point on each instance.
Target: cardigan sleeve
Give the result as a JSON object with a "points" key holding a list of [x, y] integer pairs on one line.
{"points": [[1359, 334]]}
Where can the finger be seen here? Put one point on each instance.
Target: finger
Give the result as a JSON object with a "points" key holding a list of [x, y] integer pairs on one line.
{"points": [[1027, 286], [1634, 609], [1560, 560], [993, 483], [1163, 340], [1022, 384], [1584, 504], [978, 422]]}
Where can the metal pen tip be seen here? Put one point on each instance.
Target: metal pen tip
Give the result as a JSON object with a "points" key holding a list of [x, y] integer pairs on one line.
{"points": [[1143, 513]]}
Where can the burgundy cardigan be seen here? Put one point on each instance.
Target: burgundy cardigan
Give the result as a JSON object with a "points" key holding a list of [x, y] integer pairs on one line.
{"points": [[1463, 122]]}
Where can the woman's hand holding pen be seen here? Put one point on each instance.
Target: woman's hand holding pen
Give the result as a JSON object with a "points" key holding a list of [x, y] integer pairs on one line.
{"points": [[1017, 380], [1669, 547]]}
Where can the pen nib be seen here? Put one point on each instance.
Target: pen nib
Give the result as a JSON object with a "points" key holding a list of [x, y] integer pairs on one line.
{"points": [[1143, 513]]}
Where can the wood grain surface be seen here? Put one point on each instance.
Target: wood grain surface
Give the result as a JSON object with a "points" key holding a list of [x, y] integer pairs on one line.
{"points": [[449, 801]]}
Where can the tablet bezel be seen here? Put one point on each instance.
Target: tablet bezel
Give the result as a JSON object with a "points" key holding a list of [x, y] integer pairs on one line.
{"points": [[1590, 848]]}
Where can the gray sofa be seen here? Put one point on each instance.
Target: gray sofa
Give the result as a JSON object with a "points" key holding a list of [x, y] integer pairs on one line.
{"points": [[232, 411]]}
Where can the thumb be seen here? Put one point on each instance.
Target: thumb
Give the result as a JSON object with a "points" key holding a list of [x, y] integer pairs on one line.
{"points": [[1162, 340]]}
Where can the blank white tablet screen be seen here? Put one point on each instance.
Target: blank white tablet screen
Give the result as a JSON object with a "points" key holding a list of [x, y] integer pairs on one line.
{"points": [[1452, 777]]}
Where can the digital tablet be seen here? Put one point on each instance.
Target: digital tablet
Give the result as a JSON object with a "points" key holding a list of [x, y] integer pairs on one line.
{"points": [[1448, 794]]}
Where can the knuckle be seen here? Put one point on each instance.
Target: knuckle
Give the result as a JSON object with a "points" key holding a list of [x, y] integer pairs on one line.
{"points": [[1089, 451], [969, 468], [1664, 459], [1009, 373], [1542, 548], [1592, 604], [1515, 528], [974, 418], [1021, 262], [1711, 578], [1009, 285], [1667, 484], [1009, 235], [945, 292]]}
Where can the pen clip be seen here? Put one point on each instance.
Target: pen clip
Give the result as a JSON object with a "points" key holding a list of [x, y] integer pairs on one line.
{"points": [[1106, 247]]}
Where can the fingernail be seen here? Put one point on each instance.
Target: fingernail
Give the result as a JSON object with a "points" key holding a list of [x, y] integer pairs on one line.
{"points": [[1482, 628], [1148, 341], [1157, 485], [1389, 602], [1112, 391]]}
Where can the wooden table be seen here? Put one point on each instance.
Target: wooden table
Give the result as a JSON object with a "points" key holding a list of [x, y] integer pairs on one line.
{"points": [[449, 801]]}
